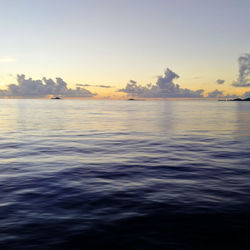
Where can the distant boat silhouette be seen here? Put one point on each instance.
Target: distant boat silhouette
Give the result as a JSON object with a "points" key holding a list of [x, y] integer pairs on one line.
{"points": [[56, 98]]}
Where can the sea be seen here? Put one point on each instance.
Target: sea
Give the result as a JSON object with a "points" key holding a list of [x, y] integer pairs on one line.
{"points": [[109, 174]]}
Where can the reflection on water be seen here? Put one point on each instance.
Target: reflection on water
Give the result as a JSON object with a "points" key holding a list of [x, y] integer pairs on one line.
{"points": [[124, 175], [148, 116]]}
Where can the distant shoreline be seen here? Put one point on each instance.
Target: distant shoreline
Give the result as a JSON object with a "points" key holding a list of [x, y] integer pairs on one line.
{"points": [[236, 100]]}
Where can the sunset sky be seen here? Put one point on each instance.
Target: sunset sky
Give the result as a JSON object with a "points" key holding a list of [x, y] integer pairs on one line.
{"points": [[110, 42]]}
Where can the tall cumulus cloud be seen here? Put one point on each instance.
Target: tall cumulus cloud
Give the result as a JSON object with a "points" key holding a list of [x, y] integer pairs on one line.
{"points": [[40, 88], [243, 79], [164, 87]]}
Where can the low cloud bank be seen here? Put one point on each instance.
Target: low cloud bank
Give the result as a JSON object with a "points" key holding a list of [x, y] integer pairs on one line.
{"points": [[215, 93], [95, 85], [219, 94], [246, 94], [164, 87], [230, 96], [40, 88], [244, 72]]}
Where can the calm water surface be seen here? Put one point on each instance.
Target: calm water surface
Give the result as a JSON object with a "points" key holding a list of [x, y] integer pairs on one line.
{"points": [[124, 174]]}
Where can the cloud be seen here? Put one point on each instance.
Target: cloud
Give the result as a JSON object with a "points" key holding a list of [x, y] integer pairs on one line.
{"points": [[104, 86], [215, 93], [5, 59], [164, 87], [83, 85], [230, 96], [244, 72], [246, 94], [39, 88], [90, 85], [220, 81]]}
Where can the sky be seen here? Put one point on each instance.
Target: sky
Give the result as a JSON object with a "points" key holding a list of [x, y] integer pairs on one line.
{"points": [[89, 44]]}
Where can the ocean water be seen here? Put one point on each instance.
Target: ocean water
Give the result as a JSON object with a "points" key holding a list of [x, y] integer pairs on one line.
{"points": [[78, 174]]}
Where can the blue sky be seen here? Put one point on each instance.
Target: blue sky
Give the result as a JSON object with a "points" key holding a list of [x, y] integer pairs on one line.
{"points": [[111, 42]]}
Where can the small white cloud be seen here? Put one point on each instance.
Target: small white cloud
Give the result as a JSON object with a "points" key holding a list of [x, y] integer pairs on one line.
{"points": [[6, 59]]}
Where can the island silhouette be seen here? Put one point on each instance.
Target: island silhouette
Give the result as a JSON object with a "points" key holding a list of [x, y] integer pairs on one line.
{"points": [[237, 100], [56, 98]]}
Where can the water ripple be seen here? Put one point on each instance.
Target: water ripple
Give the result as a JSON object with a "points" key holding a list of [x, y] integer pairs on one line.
{"points": [[124, 176]]}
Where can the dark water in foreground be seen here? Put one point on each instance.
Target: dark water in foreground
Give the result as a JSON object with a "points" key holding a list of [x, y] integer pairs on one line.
{"points": [[124, 175]]}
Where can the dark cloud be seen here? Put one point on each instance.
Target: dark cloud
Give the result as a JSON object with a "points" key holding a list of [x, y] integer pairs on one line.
{"points": [[164, 87], [235, 84], [104, 86], [220, 81], [215, 93], [244, 72], [83, 85], [39, 88], [90, 85]]}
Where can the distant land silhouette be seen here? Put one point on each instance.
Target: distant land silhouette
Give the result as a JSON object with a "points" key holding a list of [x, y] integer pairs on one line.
{"points": [[56, 98], [237, 100]]}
